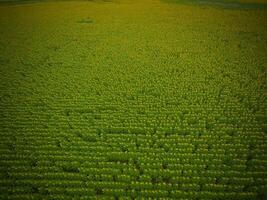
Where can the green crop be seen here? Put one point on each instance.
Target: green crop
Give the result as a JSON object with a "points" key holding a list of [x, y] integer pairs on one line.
{"points": [[133, 99]]}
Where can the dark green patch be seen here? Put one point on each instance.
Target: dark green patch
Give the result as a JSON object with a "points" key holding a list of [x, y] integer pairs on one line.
{"points": [[70, 169], [99, 191], [85, 21], [227, 4], [15, 2]]}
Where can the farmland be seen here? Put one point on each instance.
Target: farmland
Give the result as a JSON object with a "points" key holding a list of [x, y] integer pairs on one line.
{"points": [[133, 99]]}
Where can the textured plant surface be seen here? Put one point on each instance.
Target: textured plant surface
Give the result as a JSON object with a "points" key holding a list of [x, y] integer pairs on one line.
{"points": [[132, 99]]}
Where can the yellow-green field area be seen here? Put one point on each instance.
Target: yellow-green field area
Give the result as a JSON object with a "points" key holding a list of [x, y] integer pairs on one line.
{"points": [[141, 99]]}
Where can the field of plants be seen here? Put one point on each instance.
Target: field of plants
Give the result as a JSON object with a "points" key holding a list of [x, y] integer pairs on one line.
{"points": [[133, 99]]}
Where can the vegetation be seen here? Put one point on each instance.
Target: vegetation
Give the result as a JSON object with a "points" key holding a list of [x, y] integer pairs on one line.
{"points": [[226, 4], [132, 99]]}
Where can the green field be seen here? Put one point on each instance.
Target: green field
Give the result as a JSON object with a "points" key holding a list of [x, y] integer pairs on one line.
{"points": [[133, 99]]}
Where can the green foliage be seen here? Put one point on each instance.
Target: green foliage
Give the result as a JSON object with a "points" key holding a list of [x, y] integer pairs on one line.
{"points": [[143, 100]]}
